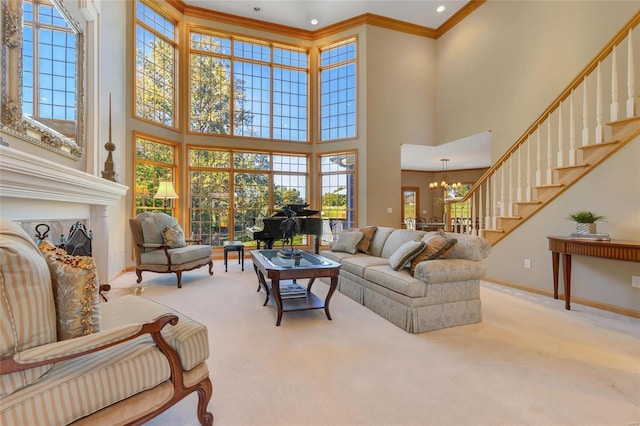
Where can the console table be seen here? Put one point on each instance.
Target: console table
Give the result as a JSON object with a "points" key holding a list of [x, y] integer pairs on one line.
{"points": [[628, 251]]}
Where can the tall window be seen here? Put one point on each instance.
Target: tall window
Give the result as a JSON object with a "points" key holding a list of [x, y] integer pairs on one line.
{"points": [[49, 67], [338, 91], [155, 76], [230, 189], [338, 189], [155, 161], [247, 88]]}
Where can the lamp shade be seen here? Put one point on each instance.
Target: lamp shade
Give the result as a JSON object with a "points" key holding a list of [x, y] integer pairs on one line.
{"points": [[166, 191]]}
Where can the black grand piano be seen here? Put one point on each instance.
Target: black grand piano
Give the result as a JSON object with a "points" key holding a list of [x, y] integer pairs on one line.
{"points": [[267, 229]]}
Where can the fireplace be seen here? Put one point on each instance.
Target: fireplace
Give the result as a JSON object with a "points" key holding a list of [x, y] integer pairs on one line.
{"points": [[33, 190]]}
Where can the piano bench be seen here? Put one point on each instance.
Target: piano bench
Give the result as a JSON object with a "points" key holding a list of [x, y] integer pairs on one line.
{"points": [[233, 246]]}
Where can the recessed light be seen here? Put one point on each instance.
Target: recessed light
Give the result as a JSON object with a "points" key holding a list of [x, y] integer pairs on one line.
{"points": [[314, 21], [440, 8]]}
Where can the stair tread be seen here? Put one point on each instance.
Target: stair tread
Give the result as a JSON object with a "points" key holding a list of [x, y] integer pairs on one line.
{"points": [[551, 185], [509, 217], [528, 202], [597, 145], [575, 166]]}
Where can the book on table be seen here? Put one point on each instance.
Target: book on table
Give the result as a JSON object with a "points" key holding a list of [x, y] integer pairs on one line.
{"points": [[292, 290], [592, 237]]}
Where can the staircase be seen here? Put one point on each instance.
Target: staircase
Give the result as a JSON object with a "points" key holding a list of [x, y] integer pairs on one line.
{"points": [[548, 158]]}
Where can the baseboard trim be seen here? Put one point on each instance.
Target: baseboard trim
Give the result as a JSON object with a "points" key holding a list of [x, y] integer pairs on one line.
{"points": [[598, 305]]}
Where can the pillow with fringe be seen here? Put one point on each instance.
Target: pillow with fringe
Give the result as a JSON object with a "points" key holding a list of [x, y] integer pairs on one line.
{"points": [[75, 289], [436, 246]]}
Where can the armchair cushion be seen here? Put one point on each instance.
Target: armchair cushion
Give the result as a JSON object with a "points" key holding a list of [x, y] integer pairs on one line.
{"points": [[75, 289], [27, 311], [153, 226], [179, 256]]}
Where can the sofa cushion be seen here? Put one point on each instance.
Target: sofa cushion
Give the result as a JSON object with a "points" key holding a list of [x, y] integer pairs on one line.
{"points": [[365, 244], [436, 246], [404, 254], [399, 281], [153, 226], [27, 310], [397, 238], [357, 264], [179, 256], [380, 237], [173, 236], [337, 256], [348, 242], [469, 247], [75, 289]]}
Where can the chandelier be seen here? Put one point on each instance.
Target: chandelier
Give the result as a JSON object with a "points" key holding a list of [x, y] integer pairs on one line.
{"points": [[443, 184]]}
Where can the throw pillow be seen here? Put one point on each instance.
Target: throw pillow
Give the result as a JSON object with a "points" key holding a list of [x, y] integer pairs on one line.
{"points": [[365, 244], [436, 246], [404, 254], [75, 289], [348, 242], [174, 236]]}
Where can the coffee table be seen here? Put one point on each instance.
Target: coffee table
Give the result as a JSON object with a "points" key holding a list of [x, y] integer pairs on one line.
{"points": [[272, 270]]}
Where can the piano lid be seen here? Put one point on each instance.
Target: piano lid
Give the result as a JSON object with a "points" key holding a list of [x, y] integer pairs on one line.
{"points": [[299, 209]]}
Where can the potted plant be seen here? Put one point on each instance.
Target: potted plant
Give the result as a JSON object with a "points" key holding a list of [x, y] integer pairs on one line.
{"points": [[585, 221]]}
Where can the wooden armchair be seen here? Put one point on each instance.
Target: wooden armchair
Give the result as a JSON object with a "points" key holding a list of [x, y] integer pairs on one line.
{"points": [[157, 249], [137, 359]]}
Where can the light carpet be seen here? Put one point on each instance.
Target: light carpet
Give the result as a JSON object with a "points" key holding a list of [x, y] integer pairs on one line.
{"points": [[529, 362]]}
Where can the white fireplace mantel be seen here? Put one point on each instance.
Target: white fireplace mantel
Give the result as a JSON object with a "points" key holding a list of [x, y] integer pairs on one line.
{"points": [[32, 188], [23, 175]]}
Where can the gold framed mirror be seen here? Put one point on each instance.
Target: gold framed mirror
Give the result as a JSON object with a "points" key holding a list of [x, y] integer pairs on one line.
{"points": [[43, 75]]}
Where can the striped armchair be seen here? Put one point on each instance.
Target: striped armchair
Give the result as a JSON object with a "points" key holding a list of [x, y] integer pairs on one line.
{"points": [[143, 359]]}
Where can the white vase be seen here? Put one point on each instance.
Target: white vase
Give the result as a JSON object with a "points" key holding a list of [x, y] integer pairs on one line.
{"points": [[586, 228]]}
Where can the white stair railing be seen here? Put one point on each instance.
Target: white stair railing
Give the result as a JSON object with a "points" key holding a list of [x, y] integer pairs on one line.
{"points": [[492, 198]]}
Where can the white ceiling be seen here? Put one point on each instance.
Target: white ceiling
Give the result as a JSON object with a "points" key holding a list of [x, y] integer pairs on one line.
{"points": [[298, 13], [468, 153], [472, 152]]}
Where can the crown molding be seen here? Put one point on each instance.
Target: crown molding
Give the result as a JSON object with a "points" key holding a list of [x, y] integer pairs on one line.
{"points": [[365, 19]]}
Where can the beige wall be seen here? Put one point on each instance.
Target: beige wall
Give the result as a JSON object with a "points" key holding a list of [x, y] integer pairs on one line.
{"points": [[112, 80], [400, 110]]}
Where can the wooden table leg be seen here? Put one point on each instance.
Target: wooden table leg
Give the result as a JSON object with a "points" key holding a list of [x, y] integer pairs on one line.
{"points": [[566, 272], [275, 290], [332, 289], [555, 260]]}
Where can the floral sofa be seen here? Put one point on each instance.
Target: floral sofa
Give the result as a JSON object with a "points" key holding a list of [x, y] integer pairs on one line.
{"points": [[66, 358], [418, 280]]}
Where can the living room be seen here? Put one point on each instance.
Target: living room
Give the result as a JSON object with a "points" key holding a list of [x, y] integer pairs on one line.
{"points": [[496, 69]]}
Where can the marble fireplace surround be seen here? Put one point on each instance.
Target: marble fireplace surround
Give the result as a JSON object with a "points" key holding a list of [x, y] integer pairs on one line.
{"points": [[34, 190]]}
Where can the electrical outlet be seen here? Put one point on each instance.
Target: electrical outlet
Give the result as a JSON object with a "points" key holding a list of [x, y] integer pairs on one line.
{"points": [[527, 263], [389, 210], [635, 281]]}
